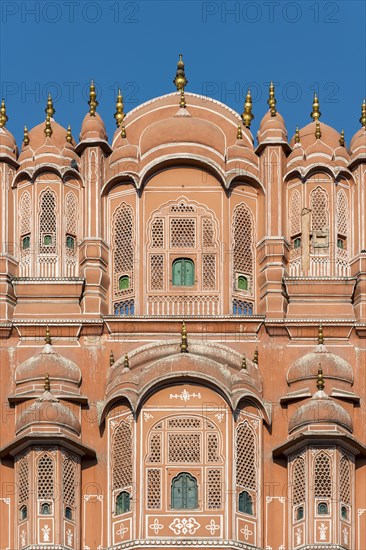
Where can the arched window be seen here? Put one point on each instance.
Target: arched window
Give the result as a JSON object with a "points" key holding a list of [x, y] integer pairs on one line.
{"points": [[344, 512], [297, 242], [23, 513], [47, 240], [45, 509], [70, 242], [68, 512], [122, 503], [245, 503], [242, 282], [184, 492], [322, 508], [124, 282], [300, 513], [183, 272], [26, 242]]}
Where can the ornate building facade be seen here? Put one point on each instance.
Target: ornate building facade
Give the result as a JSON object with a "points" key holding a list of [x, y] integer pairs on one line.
{"points": [[183, 331]]}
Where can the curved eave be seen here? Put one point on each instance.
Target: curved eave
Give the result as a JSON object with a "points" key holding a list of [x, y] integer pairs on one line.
{"points": [[138, 396], [10, 160], [32, 173], [331, 437], [356, 160], [91, 142], [271, 143], [306, 171], [23, 441]]}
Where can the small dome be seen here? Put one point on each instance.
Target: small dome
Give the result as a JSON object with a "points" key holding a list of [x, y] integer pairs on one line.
{"points": [[8, 146], [93, 128], [358, 142], [38, 139], [272, 128], [329, 136], [48, 361], [48, 410], [321, 409], [332, 365], [185, 128]]}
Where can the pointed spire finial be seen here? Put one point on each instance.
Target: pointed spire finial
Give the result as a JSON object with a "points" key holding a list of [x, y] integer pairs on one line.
{"points": [[363, 114], [297, 135], [272, 100], [111, 358], [48, 128], [244, 362], [126, 362], [123, 131], [247, 114], [320, 379], [255, 358], [48, 336], [239, 134], [315, 113], [26, 137], [47, 385], [180, 80], [3, 117], [182, 102], [184, 341], [318, 133], [93, 103], [341, 139], [68, 134], [320, 334], [119, 115], [49, 110]]}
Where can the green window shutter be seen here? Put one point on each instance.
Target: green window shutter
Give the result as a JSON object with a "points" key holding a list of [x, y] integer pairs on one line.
{"points": [[245, 503], [122, 503], [177, 273], [183, 272], [124, 282], [184, 492], [242, 283]]}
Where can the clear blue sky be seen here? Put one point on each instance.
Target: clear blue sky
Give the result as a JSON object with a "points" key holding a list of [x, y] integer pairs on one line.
{"points": [[59, 45]]}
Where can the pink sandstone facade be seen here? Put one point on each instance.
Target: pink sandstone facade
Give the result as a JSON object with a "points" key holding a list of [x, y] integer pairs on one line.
{"points": [[183, 331]]}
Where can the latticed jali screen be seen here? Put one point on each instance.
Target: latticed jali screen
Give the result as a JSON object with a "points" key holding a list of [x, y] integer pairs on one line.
{"points": [[122, 456]]}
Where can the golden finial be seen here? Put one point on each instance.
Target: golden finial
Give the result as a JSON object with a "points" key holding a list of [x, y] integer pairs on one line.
{"points": [[315, 113], [318, 133], [119, 115], [49, 110], [123, 131], [68, 134], [244, 362], [272, 100], [363, 114], [182, 102], [184, 342], [341, 139], [93, 103], [26, 136], [320, 334], [3, 117], [47, 385], [255, 358], [239, 134], [180, 80], [247, 114], [48, 128], [126, 363], [320, 379], [48, 336], [111, 359], [297, 135]]}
